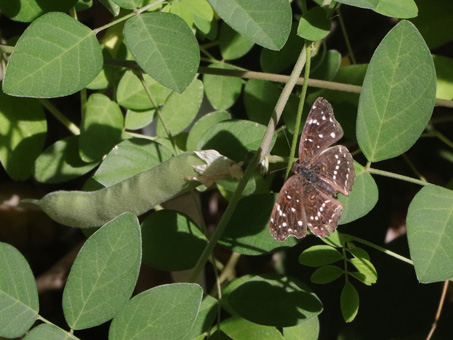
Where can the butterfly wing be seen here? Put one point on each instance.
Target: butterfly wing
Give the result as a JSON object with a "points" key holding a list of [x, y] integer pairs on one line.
{"points": [[335, 166], [322, 211], [288, 217], [321, 130]]}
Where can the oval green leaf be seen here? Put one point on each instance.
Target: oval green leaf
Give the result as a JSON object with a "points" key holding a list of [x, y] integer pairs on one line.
{"points": [[326, 274], [163, 312], [314, 24], [55, 56], [309, 330], [131, 94], [402, 9], [248, 229], [203, 125], [103, 276], [101, 127], [430, 233], [362, 198], [241, 329], [398, 94], [61, 162], [129, 158], [265, 22], [171, 241], [49, 332], [234, 138], [233, 45], [349, 302], [180, 109], [29, 10], [319, 255], [275, 300], [23, 130], [158, 42], [18, 293], [136, 120], [222, 91]]}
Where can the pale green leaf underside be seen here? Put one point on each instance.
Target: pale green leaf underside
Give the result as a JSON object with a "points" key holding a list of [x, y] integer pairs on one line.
{"points": [[398, 94], [55, 56], [430, 233], [399, 9]]}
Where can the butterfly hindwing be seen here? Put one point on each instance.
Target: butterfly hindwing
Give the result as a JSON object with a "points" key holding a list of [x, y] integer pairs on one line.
{"points": [[288, 218], [335, 166]]}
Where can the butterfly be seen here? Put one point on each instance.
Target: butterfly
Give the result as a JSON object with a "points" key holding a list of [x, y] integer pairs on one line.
{"points": [[306, 199]]}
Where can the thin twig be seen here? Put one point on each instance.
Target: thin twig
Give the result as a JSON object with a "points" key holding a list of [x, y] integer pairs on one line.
{"points": [[439, 309]]}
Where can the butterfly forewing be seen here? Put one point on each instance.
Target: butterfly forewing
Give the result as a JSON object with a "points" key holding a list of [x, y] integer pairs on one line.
{"points": [[335, 166], [287, 218], [321, 130]]}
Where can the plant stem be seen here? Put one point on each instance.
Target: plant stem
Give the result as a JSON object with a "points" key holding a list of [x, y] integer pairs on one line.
{"points": [[397, 176], [300, 107], [61, 118], [346, 37], [439, 309], [382, 249]]}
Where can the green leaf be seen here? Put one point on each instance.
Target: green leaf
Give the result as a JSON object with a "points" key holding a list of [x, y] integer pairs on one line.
{"points": [[233, 45], [163, 312], [131, 94], [319, 255], [394, 110], [233, 139], [241, 329], [205, 317], [266, 22], [363, 197], [101, 128], [129, 158], [362, 263], [260, 98], [349, 302], [326, 65], [19, 304], [180, 110], [309, 330], [335, 239], [136, 120], [54, 57], [89, 209], [314, 24], [444, 72], [29, 10], [430, 233], [171, 241], [204, 124], [131, 4], [326, 274], [279, 61], [103, 276], [399, 9], [49, 332], [248, 229], [434, 21], [23, 130], [61, 162], [111, 6], [222, 91], [275, 300], [164, 47]]}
